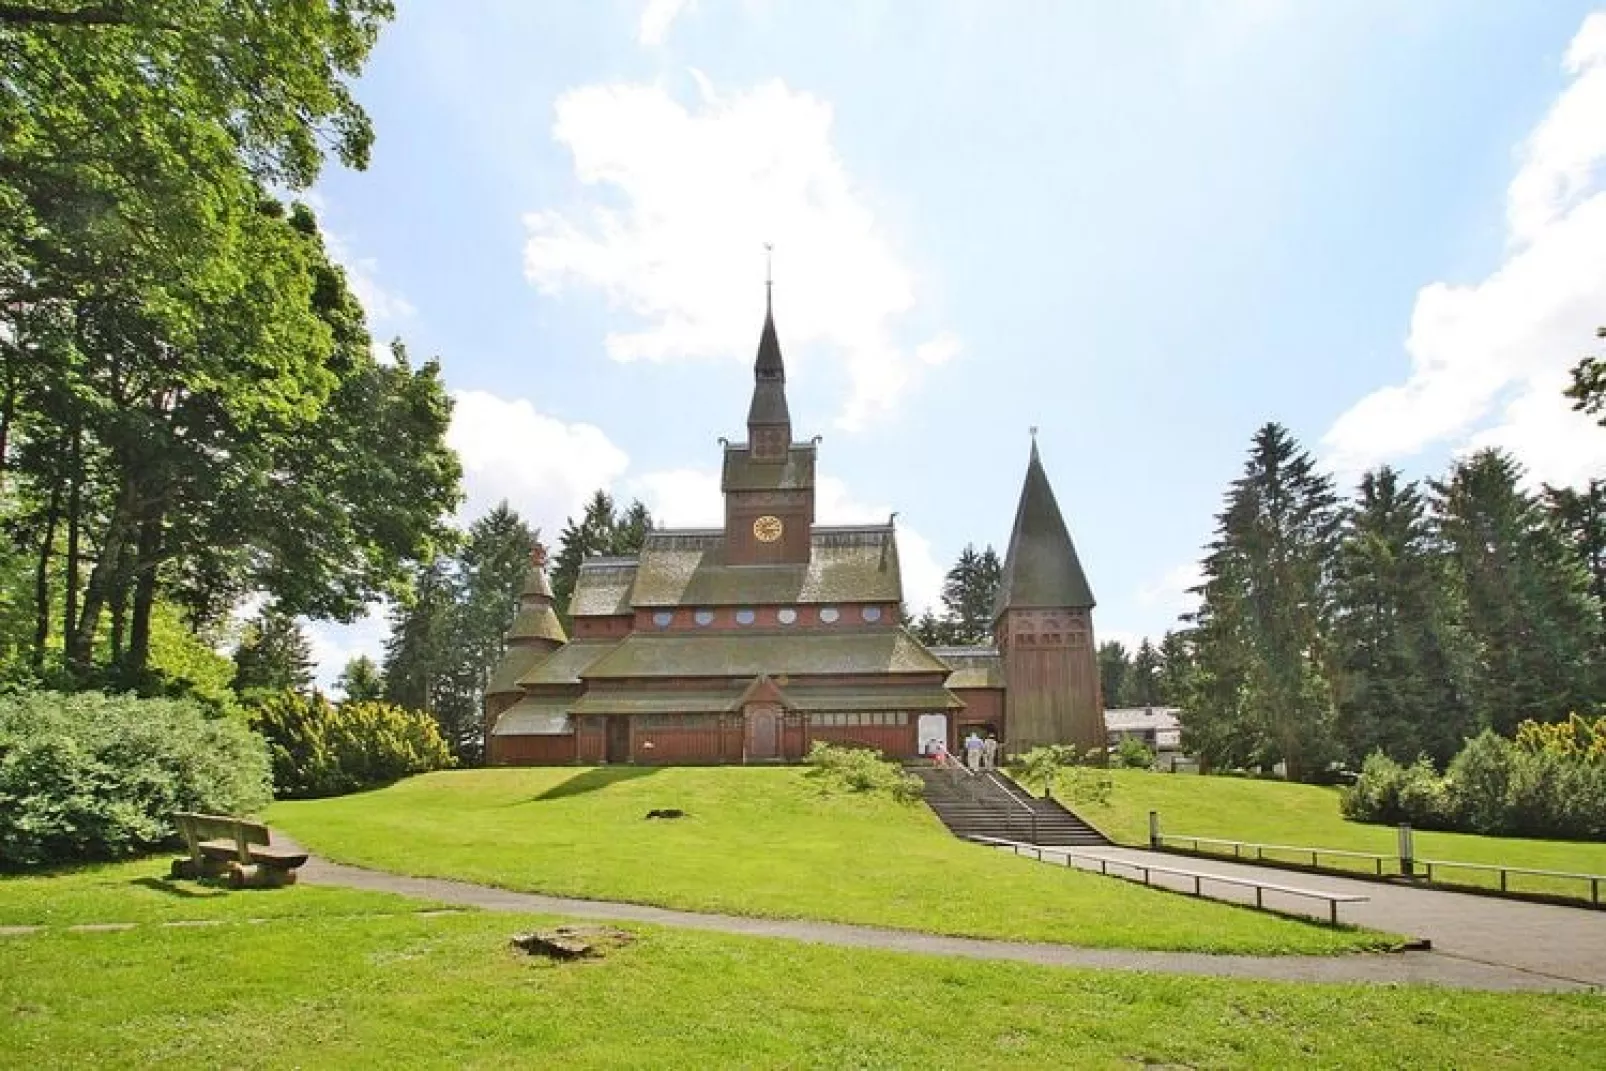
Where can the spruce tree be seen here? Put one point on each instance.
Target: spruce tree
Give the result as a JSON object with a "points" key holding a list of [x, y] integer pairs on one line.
{"points": [[1261, 693], [1580, 517], [968, 593], [1174, 681], [1399, 655], [361, 681], [601, 530], [1115, 668], [1529, 612], [274, 655], [1144, 690]]}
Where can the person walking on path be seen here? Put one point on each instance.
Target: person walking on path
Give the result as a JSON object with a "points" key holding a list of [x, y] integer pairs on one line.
{"points": [[989, 752], [973, 748]]}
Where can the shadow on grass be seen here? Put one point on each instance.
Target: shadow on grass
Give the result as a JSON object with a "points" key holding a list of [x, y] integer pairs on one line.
{"points": [[185, 891], [594, 779]]}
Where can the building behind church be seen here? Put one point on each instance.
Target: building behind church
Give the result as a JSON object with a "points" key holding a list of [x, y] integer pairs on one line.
{"points": [[750, 641]]}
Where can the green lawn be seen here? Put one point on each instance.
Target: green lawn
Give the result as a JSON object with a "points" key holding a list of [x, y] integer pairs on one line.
{"points": [[1235, 808], [407, 990], [139, 892], [762, 842]]}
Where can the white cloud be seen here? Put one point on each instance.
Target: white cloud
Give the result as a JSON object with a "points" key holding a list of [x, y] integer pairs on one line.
{"points": [[656, 18], [544, 467], [672, 231], [1169, 592], [939, 350], [334, 644], [1510, 338], [683, 498]]}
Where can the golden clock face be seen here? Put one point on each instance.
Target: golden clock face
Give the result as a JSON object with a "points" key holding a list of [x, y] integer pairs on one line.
{"points": [[768, 529]]}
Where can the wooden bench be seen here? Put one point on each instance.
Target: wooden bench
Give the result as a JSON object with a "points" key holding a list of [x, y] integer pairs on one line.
{"points": [[220, 846]]}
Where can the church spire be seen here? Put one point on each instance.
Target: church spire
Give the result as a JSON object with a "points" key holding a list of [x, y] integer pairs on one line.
{"points": [[769, 422], [1041, 569]]}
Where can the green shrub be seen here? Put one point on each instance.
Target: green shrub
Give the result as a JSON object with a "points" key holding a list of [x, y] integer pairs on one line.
{"points": [[1133, 754], [1391, 793], [860, 769], [1061, 769], [320, 749], [1544, 784], [92, 776]]}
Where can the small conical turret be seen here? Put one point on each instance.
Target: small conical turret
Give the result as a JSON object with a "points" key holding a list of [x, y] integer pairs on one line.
{"points": [[537, 623]]}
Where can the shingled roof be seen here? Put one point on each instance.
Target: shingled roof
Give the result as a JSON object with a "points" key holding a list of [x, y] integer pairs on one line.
{"points": [[538, 622], [778, 654], [687, 568], [515, 663], [742, 473], [603, 587], [973, 667], [565, 665], [1041, 569]]}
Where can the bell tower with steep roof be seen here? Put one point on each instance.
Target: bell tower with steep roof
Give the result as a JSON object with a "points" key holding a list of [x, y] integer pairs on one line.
{"points": [[1043, 626]]}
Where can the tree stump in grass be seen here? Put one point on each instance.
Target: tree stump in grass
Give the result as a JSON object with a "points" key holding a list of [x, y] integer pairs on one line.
{"points": [[572, 942]]}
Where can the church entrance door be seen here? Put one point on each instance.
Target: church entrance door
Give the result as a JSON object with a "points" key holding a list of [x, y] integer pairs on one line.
{"points": [[932, 728], [763, 732], [618, 739]]}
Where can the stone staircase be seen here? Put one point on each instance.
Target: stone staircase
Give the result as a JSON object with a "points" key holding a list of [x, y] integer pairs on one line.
{"points": [[988, 804]]}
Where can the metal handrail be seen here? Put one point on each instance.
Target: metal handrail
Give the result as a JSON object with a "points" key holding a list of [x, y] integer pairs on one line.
{"points": [[1198, 877], [1594, 880], [1261, 849]]}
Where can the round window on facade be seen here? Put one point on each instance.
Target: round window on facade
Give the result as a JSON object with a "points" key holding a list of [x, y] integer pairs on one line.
{"points": [[704, 617], [871, 613], [745, 617], [663, 618], [787, 616], [829, 615]]}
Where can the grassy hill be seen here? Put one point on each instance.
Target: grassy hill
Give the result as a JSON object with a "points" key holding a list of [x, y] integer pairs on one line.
{"points": [[761, 842], [1235, 808], [341, 979]]}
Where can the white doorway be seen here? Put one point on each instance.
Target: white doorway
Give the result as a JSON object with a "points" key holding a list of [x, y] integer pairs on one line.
{"points": [[931, 730]]}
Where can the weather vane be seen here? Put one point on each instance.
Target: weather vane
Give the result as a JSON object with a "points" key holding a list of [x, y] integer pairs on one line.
{"points": [[1034, 432], [769, 267]]}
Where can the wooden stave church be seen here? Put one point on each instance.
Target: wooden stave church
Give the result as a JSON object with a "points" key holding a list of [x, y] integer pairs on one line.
{"points": [[746, 643]]}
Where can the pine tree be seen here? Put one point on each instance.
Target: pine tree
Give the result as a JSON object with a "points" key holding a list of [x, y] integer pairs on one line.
{"points": [[1580, 517], [418, 662], [1260, 692], [968, 593], [1175, 679], [274, 655], [1535, 627], [1400, 658], [934, 631], [601, 530], [1144, 690], [361, 681], [1115, 668]]}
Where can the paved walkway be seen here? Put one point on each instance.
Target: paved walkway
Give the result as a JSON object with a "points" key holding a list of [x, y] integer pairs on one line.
{"points": [[1565, 944], [1435, 967]]}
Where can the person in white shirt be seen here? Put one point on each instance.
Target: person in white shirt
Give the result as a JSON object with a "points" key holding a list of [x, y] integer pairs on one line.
{"points": [[973, 748], [989, 752]]}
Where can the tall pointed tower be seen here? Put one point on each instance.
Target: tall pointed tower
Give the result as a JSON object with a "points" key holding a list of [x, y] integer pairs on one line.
{"points": [[768, 481], [1043, 625], [535, 632]]}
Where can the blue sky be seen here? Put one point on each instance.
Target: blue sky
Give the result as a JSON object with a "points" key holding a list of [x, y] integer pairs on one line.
{"points": [[1143, 228]]}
